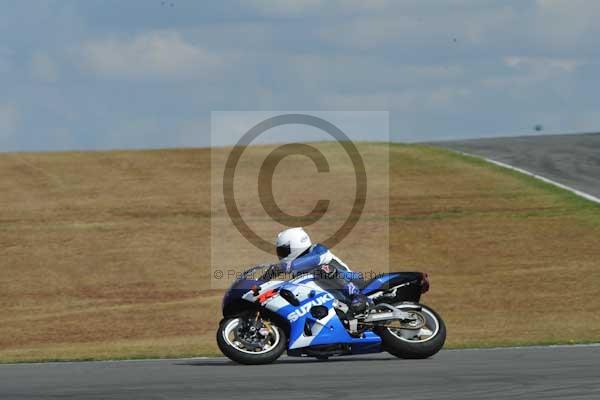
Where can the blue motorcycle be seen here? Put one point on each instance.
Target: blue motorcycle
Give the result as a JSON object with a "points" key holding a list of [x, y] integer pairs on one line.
{"points": [[264, 316]]}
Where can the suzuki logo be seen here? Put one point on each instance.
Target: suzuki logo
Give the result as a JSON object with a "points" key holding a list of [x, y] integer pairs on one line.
{"points": [[294, 315]]}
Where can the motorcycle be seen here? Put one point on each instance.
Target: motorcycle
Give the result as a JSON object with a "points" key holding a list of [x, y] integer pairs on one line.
{"points": [[263, 317]]}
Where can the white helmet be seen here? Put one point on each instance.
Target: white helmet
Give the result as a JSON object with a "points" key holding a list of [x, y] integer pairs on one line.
{"points": [[291, 243]]}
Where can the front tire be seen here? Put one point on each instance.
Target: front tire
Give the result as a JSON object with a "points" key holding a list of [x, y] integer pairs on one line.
{"points": [[408, 344], [232, 347]]}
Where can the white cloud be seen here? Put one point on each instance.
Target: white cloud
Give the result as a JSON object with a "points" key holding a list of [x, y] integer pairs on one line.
{"points": [[528, 71], [43, 68], [542, 63], [154, 55], [510, 59]]}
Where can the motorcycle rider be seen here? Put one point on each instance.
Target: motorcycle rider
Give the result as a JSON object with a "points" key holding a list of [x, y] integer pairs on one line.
{"points": [[297, 255]]}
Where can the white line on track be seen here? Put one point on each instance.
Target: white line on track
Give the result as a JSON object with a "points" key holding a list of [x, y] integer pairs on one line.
{"points": [[541, 178]]}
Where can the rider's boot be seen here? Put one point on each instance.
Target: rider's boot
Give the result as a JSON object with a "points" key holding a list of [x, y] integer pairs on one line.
{"points": [[359, 304], [356, 306]]}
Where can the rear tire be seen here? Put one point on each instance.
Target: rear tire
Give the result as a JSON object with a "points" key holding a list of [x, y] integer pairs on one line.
{"points": [[414, 349], [239, 355]]}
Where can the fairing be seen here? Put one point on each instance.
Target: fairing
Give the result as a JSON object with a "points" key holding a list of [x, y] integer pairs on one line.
{"points": [[305, 331]]}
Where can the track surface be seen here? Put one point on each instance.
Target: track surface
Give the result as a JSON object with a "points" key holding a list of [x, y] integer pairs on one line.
{"points": [[573, 160], [569, 372]]}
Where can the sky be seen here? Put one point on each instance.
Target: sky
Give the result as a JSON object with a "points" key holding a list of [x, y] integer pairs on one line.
{"points": [[91, 75]]}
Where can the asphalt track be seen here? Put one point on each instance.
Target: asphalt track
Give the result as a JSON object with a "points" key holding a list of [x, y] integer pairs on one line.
{"points": [[562, 372], [572, 160]]}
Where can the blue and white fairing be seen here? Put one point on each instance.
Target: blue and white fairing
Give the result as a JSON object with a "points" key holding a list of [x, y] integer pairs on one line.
{"points": [[293, 300], [306, 330]]}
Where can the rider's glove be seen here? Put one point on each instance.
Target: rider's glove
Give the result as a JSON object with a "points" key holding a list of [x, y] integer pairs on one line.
{"points": [[276, 269], [284, 267]]}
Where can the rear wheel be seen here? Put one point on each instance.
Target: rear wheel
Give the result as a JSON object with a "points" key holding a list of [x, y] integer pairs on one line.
{"points": [[248, 339], [419, 339]]}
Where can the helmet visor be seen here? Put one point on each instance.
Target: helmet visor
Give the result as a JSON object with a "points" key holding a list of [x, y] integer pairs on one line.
{"points": [[283, 251]]}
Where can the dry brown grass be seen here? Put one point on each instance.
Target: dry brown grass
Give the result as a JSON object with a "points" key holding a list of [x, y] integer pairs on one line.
{"points": [[104, 255]]}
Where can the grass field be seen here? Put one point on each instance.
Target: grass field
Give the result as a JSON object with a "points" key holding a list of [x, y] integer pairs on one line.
{"points": [[105, 255]]}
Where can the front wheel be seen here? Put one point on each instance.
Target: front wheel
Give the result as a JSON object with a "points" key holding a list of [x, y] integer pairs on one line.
{"points": [[248, 339], [405, 342]]}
